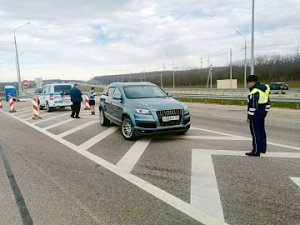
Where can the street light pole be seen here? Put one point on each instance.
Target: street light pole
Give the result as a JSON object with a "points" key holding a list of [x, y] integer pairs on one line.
{"points": [[17, 58], [245, 62], [173, 70], [252, 41]]}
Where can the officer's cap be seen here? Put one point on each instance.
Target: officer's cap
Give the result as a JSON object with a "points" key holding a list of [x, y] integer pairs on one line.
{"points": [[251, 78]]}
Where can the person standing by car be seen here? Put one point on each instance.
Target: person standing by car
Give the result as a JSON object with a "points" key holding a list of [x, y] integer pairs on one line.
{"points": [[76, 98], [258, 107], [92, 95]]}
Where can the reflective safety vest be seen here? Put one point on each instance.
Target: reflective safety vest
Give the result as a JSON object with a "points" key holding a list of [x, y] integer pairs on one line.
{"points": [[263, 96]]}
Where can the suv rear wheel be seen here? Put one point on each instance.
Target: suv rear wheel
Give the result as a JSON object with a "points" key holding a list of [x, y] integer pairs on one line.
{"points": [[49, 109], [127, 129], [103, 120]]}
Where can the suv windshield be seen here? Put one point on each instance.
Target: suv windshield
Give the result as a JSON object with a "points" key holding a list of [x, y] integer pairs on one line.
{"points": [[143, 91], [65, 89]]}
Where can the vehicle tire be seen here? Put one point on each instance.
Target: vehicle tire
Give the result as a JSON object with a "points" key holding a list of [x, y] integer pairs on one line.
{"points": [[40, 106], [103, 120], [49, 109], [127, 129]]}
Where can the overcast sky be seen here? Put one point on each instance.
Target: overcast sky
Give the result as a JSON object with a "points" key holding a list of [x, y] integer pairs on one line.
{"points": [[79, 39]]}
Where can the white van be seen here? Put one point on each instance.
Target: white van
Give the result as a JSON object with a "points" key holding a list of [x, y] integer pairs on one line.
{"points": [[55, 95]]}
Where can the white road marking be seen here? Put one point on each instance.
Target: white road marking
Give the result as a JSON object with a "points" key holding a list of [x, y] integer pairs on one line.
{"points": [[204, 188], [245, 138], [296, 180], [229, 117], [133, 155], [225, 138], [212, 131], [51, 118], [25, 115], [20, 111], [58, 124], [68, 132], [91, 142], [43, 115], [171, 200]]}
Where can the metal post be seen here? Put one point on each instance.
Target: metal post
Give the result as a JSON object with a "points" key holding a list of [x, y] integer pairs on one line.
{"points": [[173, 74], [230, 65], [245, 72], [252, 41], [18, 66], [210, 70]]}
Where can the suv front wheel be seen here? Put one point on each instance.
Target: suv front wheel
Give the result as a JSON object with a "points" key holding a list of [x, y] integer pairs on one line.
{"points": [[103, 120], [127, 129]]}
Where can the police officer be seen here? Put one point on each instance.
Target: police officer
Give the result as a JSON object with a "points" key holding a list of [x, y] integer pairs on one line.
{"points": [[76, 100], [258, 107]]}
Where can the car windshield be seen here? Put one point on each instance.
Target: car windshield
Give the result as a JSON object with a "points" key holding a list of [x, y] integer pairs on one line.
{"points": [[143, 91], [65, 89]]}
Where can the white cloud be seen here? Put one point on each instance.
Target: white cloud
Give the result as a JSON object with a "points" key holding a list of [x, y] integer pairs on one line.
{"points": [[80, 39]]}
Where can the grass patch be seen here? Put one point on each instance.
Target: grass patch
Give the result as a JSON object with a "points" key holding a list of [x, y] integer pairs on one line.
{"points": [[238, 102], [85, 88]]}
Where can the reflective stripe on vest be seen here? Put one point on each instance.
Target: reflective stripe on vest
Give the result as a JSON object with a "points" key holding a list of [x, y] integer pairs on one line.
{"points": [[263, 96]]}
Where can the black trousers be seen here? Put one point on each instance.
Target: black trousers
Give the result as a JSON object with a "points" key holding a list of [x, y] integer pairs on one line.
{"points": [[259, 137], [75, 109]]}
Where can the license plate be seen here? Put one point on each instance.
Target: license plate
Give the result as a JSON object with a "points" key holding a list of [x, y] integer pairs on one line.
{"points": [[169, 118]]}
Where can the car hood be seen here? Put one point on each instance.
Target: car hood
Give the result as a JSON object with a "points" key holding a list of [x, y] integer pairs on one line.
{"points": [[156, 103]]}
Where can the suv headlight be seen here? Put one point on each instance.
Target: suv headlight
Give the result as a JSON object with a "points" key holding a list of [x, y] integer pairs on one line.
{"points": [[185, 108], [141, 111]]}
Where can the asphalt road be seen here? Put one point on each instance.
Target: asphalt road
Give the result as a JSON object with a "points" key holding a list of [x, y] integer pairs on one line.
{"points": [[73, 171]]}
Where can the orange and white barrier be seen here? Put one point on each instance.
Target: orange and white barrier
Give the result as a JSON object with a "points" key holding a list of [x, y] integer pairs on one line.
{"points": [[1, 106], [87, 103], [35, 109], [11, 104]]}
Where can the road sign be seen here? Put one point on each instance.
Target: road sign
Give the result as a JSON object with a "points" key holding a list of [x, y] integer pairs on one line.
{"points": [[25, 84]]}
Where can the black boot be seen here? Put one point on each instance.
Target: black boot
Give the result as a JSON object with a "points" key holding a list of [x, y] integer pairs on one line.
{"points": [[252, 154]]}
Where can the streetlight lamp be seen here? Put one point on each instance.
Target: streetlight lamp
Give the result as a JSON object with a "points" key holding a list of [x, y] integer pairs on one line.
{"points": [[245, 63], [17, 57], [173, 70]]}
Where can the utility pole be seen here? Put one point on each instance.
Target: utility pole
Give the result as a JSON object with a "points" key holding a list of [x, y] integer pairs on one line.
{"points": [[252, 41], [201, 63], [245, 65], [230, 65], [207, 61], [173, 74], [209, 77], [161, 76], [144, 74]]}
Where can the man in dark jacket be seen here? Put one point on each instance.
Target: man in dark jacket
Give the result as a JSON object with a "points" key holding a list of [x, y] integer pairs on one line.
{"points": [[258, 107], [76, 100]]}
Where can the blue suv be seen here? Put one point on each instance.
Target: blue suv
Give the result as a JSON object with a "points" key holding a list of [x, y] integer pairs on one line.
{"points": [[142, 108]]}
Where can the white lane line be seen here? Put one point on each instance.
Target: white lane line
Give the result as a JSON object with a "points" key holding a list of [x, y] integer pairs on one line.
{"points": [[54, 117], [43, 115], [68, 132], [231, 135], [225, 138], [164, 196], [58, 124], [133, 155], [23, 111], [212, 131], [94, 140], [204, 188], [296, 180], [229, 117], [25, 115]]}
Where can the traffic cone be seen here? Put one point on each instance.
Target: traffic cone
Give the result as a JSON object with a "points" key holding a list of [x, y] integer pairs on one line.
{"points": [[87, 103], [11, 104], [35, 109]]}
